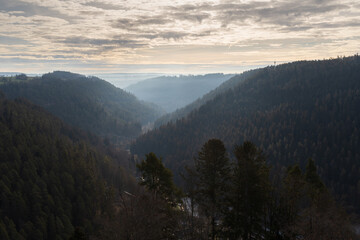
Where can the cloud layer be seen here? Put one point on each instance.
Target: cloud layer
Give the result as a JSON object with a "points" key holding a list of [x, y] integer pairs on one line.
{"points": [[83, 33]]}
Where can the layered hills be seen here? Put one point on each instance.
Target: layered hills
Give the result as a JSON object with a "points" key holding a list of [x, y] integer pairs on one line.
{"points": [[89, 103], [295, 111], [182, 112], [173, 92]]}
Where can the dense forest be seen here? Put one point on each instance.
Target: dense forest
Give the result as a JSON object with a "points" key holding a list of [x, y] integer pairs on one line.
{"points": [[173, 92], [292, 111], [230, 198], [89, 103], [60, 182], [54, 179]]}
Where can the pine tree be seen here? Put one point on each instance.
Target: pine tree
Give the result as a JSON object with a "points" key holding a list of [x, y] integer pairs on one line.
{"points": [[292, 198], [213, 170], [248, 194], [158, 179]]}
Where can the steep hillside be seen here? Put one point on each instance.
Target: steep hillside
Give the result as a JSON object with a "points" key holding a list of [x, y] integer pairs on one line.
{"points": [[182, 112], [85, 102], [292, 111], [52, 179], [173, 92]]}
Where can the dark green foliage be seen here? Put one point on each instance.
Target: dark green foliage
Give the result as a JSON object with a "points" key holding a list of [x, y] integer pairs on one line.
{"points": [[291, 200], [149, 212], [142, 216], [248, 195], [312, 178], [79, 234], [213, 172], [292, 111], [89, 103], [21, 77], [254, 207], [308, 211], [158, 179], [49, 182]]}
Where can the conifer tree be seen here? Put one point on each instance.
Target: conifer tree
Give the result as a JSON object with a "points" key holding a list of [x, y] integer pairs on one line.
{"points": [[158, 179], [248, 194], [213, 170]]}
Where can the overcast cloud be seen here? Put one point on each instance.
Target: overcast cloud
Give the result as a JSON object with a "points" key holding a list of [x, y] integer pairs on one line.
{"points": [[41, 36]]}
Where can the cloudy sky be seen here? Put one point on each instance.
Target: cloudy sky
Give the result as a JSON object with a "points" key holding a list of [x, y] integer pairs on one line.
{"points": [[173, 36]]}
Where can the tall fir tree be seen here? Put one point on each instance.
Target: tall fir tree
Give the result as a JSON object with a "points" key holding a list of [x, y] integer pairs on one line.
{"points": [[213, 170], [248, 194], [158, 179]]}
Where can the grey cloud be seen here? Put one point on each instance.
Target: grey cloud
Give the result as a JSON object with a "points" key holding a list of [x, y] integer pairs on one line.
{"points": [[61, 56], [91, 13], [278, 13], [156, 35], [30, 9], [139, 21], [176, 35], [172, 35], [105, 44], [186, 8], [158, 20], [282, 43], [163, 19], [25, 55], [341, 24], [188, 12], [290, 14], [324, 25], [191, 17], [13, 41], [104, 6], [39, 56]]}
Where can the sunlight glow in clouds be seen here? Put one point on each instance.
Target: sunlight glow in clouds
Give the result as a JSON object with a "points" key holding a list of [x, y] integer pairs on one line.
{"points": [[162, 36]]}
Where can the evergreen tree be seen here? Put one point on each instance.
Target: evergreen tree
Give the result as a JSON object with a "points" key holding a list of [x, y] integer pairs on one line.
{"points": [[315, 185], [213, 170], [322, 218], [292, 199], [158, 179], [248, 194]]}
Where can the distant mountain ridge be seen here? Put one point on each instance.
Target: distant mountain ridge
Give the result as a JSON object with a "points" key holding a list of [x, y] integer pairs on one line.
{"points": [[123, 80], [173, 92], [89, 103], [183, 112], [292, 111]]}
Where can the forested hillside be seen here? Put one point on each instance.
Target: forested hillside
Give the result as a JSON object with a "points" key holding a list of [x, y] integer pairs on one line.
{"points": [[292, 111], [173, 92], [182, 112], [52, 179], [89, 103]]}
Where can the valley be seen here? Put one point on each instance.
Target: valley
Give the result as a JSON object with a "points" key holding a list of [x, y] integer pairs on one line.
{"points": [[83, 142]]}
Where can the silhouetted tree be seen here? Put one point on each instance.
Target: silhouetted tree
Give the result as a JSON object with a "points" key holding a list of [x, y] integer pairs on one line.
{"points": [[213, 170], [248, 194], [158, 179]]}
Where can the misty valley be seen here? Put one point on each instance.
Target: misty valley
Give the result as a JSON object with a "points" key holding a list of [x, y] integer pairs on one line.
{"points": [[270, 153]]}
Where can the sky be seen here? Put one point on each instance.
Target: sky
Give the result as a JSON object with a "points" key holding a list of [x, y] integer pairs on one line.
{"points": [[172, 36]]}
